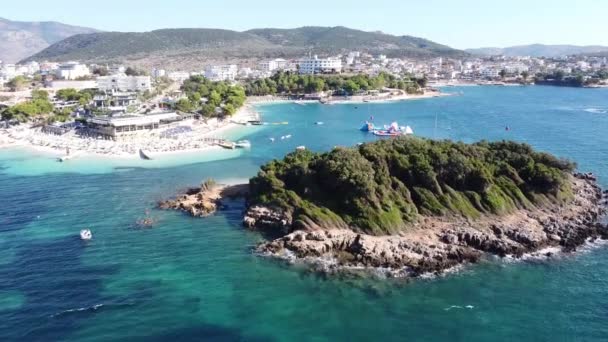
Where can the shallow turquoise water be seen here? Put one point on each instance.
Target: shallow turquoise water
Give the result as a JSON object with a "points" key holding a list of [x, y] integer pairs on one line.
{"points": [[193, 279]]}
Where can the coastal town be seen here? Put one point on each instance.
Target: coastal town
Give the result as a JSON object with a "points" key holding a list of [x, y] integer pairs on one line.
{"points": [[122, 110]]}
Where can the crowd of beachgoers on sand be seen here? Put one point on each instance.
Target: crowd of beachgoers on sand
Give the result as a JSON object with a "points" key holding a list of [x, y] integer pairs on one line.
{"points": [[190, 135]]}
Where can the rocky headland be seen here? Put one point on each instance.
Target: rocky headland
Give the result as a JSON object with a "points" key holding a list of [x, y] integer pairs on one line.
{"points": [[204, 200], [413, 206], [436, 244]]}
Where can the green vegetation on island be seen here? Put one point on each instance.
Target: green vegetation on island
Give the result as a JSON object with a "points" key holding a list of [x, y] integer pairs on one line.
{"points": [[294, 84], [383, 187], [210, 98]]}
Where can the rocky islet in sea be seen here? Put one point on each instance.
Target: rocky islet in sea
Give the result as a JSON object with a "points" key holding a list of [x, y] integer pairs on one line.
{"points": [[510, 201]]}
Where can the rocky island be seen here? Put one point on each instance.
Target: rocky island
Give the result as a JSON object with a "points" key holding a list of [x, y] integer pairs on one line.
{"points": [[413, 206]]}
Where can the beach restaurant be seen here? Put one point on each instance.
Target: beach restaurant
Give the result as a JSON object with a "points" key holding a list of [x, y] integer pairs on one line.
{"points": [[115, 126]]}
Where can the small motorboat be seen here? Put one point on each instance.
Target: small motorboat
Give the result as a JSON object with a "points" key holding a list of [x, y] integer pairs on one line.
{"points": [[288, 136], [143, 155], [86, 234], [227, 144], [387, 133], [319, 123], [301, 148], [243, 144], [272, 139], [282, 137]]}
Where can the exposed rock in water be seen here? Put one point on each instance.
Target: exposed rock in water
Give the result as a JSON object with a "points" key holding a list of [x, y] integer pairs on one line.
{"points": [[267, 218], [205, 200], [436, 244]]}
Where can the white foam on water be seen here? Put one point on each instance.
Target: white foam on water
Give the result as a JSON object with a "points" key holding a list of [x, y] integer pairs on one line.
{"points": [[595, 110], [469, 307]]}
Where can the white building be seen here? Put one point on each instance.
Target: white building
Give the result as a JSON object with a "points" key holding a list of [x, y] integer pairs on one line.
{"points": [[275, 64], [158, 73], [116, 69], [179, 76], [72, 71], [68, 84], [490, 73], [226, 72], [122, 82], [8, 72], [316, 65]]}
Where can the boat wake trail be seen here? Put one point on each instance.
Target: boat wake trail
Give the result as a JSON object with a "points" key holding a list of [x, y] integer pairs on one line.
{"points": [[91, 309], [470, 307], [596, 110]]}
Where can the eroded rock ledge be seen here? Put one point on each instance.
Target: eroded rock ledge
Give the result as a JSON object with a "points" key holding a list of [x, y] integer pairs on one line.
{"points": [[436, 244], [204, 200]]}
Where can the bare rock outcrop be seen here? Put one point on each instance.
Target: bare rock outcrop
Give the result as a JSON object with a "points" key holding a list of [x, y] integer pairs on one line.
{"points": [[204, 201], [439, 243]]}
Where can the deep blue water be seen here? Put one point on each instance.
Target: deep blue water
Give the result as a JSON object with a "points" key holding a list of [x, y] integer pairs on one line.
{"points": [[196, 279]]}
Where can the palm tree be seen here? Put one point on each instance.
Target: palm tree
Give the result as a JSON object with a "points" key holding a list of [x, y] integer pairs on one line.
{"points": [[503, 73]]}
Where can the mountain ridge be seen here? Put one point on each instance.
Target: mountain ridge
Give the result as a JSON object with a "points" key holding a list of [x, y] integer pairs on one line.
{"points": [[209, 44], [20, 39], [538, 50]]}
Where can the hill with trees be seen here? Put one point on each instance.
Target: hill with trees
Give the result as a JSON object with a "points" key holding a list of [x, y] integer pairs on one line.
{"points": [[164, 45]]}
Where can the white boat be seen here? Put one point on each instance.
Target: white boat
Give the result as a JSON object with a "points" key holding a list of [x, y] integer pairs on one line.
{"points": [[283, 137], [227, 144], [86, 234], [288, 136], [319, 123], [272, 139], [301, 148], [243, 144], [144, 155]]}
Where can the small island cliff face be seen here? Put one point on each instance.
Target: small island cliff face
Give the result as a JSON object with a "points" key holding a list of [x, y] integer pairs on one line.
{"points": [[414, 206]]}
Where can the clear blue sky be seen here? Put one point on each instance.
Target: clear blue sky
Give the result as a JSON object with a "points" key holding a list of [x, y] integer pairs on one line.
{"points": [[458, 23]]}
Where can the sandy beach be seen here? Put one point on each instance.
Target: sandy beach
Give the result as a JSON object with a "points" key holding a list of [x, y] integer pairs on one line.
{"points": [[201, 136]]}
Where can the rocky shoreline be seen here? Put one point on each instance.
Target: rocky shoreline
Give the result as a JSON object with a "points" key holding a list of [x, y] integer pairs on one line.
{"points": [[204, 200], [437, 244]]}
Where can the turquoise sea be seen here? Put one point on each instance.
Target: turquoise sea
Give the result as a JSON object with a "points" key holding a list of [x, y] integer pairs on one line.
{"points": [[192, 279]]}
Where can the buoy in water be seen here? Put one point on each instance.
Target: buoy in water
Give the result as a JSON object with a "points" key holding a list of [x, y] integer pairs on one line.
{"points": [[86, 234]]}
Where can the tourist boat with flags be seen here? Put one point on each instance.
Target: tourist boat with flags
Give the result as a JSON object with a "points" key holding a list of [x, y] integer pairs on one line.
{"points": [[394, 130]]}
